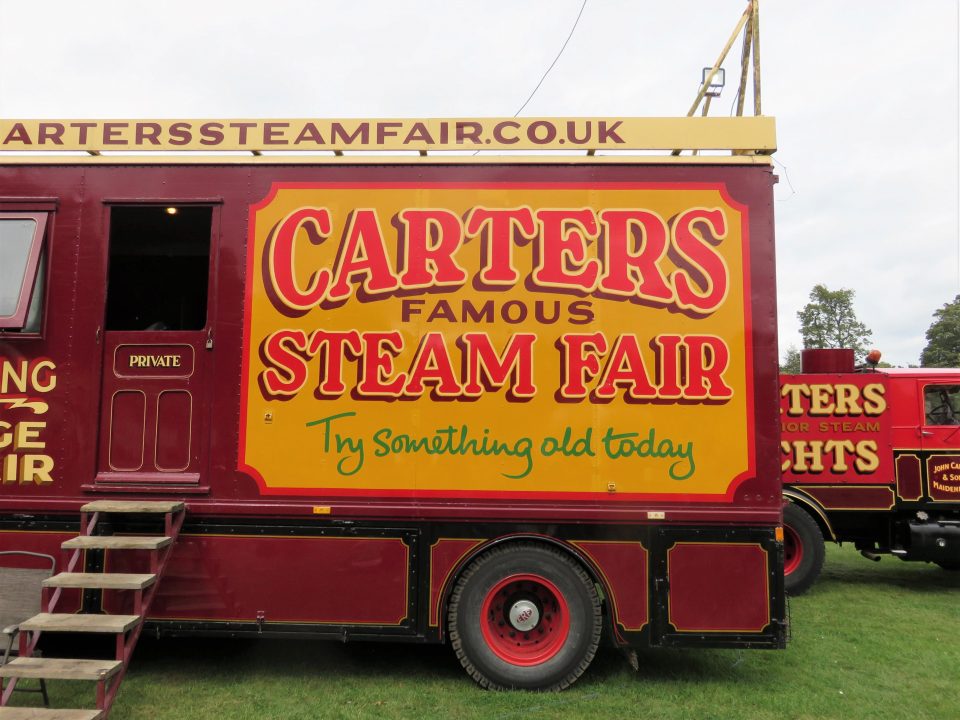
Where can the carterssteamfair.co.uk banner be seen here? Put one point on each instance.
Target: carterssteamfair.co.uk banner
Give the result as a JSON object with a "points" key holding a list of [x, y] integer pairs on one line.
{"points": [[497, 339]]}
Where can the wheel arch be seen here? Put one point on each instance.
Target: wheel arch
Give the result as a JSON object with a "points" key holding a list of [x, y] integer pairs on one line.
{"points": [[813, 509], [596, 575]]}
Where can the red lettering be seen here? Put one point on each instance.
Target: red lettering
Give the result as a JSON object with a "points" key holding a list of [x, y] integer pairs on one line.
{"points": [[288, 372], [498, 230], [431, 239], [379, 350], [486, 369], [626, 368], [703, 264], [580, 362], [336, 345], [432, 364], [707, 360], [635, 241], [280, 252], [563, 249], [362, 252]]}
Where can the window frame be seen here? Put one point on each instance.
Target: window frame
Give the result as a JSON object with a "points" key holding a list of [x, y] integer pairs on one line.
{"points": [[17, 319]]}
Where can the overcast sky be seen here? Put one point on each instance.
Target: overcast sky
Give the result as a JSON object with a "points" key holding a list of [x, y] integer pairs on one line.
{"points": [[864, 92]]}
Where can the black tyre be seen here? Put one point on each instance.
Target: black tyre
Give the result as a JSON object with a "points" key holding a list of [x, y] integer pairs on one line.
{"points": [[803, 550], [951, 565], [524, 616]]}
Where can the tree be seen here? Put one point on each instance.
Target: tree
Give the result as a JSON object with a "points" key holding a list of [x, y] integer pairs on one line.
{"points": [[829, 321], [943, 338], [791, 361]]}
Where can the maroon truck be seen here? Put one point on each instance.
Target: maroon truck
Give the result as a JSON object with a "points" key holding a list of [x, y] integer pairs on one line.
{"points": [[507, 403]]}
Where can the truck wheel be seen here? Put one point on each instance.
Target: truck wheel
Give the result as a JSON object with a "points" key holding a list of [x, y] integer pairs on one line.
{"points": [[803, 550], [524, 616]]}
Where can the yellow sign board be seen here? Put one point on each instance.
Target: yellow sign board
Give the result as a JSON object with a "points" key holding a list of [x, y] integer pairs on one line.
{"points": [[497, 339]]}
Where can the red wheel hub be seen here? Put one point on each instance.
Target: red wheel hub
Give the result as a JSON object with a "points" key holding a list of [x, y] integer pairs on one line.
{"points": [[792, 550], [525, 620]]}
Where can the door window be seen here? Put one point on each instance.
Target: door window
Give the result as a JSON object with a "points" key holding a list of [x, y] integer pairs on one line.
{"points": [[159, 267], [941, 404]]}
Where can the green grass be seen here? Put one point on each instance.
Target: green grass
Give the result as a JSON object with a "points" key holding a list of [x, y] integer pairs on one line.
{"points": [[870, 640]]}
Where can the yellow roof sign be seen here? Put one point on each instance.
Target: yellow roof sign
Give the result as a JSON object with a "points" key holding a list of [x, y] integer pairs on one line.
{"points": [[739, 135]]}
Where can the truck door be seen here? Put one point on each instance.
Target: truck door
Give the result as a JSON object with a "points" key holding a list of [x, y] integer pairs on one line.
{"points": [[941, 415], [157, 345], [940, 435]]}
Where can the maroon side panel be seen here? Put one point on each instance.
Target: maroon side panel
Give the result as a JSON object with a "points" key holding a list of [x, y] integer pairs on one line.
{"points": [[326, 580], [623, 567], [909, 477], [718, 587], [445, 557], [851, 497]]}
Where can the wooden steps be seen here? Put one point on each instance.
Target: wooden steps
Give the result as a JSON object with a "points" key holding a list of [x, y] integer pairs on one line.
{"points": [[132, 506], [116, 542], [108, 674], [60, 669], [66, 622], [101, 581], [29, 713]]}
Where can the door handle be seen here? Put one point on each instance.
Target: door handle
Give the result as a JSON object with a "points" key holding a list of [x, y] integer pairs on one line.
{"points": [[925, 433]]}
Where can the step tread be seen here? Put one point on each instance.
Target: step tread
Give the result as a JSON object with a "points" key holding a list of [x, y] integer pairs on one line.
{"points": [[116, 542], [65, 622], [34, 713], [102, 581], [133, 506], [60, 668]]}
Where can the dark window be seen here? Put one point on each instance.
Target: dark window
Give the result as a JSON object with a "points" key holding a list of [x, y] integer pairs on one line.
{"points": [[159, 266], [21, 285], [942, 404]]}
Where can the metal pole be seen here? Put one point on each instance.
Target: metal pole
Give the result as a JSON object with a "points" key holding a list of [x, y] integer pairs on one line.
{"points": [[744, 65], [723, 56], [756, 56]]}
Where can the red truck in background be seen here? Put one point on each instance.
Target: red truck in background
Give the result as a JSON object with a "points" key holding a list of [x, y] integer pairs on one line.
{"points": [[869, 456]]}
